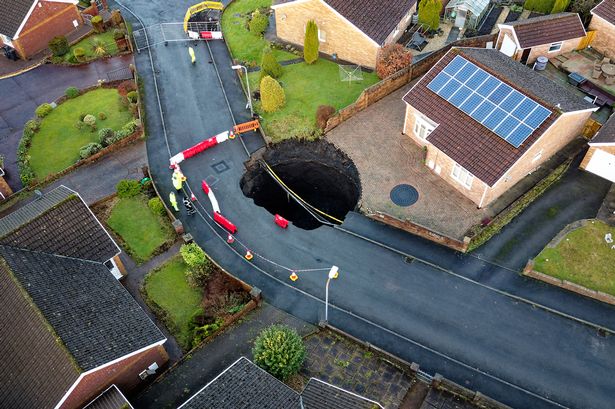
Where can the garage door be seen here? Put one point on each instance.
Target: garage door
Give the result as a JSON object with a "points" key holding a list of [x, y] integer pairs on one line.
{"points": [[602, 164], [508, 46]]}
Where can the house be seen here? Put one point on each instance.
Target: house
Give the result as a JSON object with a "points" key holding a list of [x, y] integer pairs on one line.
{"points": [[245, 385], [487, 121], [600, 158], [466, 13], [28, 25], [69, 328], [111, 398], [351, 30], [548, 36], [603, 24]]}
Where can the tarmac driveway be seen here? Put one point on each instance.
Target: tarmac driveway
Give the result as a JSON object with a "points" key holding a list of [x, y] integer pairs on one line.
{"points": [[20, 95]]}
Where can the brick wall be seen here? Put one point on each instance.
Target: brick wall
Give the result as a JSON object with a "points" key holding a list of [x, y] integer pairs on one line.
{"points": [[543, 50], [604, 39], [125, 374], [47, 21], [341, 38]]}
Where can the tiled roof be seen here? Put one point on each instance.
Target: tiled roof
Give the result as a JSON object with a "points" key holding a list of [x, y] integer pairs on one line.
{"points": [[548, 29], [606, 10], [58, 223], [12, 14], [90, 311], [112, 398], [246, 386], [377, 19], [321, 395], [35, 369], [606, 134], [470, 144]]}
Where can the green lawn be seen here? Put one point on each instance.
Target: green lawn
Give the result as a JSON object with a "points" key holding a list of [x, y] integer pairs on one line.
{"points": [[168, 288], [307, 87], [56, 145], [86, 44], [142, 231], [582, 257], [244, 45]]}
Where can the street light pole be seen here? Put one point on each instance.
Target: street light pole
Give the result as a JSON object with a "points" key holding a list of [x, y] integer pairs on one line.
{"points": [[239, 67], [333, 274]]}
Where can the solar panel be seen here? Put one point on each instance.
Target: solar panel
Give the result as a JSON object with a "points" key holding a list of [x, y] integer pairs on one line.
{"points": [[496, 105]]}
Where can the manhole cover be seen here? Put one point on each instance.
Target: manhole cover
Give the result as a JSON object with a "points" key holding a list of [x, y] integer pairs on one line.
{"points": [[404, 195], [220, 167]]}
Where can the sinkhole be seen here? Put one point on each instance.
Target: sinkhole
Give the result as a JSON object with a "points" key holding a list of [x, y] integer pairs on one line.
{"points": [[318, 172]]}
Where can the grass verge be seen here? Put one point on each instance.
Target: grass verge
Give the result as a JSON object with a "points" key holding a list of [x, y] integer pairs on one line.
{"points": [[582, 257], [143, 233]]}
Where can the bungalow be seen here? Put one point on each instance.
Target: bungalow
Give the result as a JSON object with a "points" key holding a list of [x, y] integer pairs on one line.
{"points": [[549, 36], [487, 121], [351, 30], [603, 24], [600, 158], [69, 328], [27, 26]]}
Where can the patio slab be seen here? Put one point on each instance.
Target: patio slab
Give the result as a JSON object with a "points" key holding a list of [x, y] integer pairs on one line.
{"points": [[386, 158], [582, 63]]}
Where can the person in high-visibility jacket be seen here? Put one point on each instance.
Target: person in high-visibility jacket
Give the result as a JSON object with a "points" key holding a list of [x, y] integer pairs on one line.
{"points": [[192, 56], [178, 179], [173, 201]]}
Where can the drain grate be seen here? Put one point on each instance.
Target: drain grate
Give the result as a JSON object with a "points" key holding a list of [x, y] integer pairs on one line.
{"points": [[220, 167], [404, 195]]}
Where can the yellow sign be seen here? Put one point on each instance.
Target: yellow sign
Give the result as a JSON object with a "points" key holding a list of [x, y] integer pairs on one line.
{"points": [[214, 5]]}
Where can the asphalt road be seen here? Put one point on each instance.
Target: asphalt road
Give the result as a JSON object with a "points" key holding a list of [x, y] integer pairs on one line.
{"points": [[451, 316]]}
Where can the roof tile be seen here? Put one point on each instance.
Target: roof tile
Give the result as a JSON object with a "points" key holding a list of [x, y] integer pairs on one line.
{"points": [[12, 14], [548, 29], [606, 10]]}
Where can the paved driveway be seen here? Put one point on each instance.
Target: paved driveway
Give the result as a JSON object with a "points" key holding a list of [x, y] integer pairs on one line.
{"points": [[20, 95]]}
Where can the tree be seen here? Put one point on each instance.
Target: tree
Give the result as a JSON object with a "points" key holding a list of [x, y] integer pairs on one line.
{"points": [[311, 44], [583, 7], [541, 6], [429, 13], [272, 94], [279, 350], [559, 6], [269, 65], [259, 23], [392, 58]]}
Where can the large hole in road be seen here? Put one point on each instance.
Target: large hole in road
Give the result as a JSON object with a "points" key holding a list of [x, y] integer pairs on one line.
{"points": [[317, 171]]}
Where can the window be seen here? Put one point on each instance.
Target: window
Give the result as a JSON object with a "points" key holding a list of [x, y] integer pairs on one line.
{"points": [[75, 23], [422, 128], [322, 36], [462, 176], [555, 47]]}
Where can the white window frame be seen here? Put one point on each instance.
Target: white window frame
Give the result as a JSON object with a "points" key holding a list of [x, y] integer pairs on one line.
{"points": [[322, 36], [462, 176], [422, 127], [557, 45]]}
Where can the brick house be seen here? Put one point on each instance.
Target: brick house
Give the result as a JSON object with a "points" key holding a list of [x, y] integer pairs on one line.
{"points": [[28, 25], [353, 30], [487, 121], [548, 36], [603, 23], [69, 328], [600, 158]]}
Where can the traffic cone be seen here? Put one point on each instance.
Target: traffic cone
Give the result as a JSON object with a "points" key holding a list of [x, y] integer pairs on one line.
{"points": [[294, 276], [230, 239], [248, 255], [193, 197], [231, 135]]}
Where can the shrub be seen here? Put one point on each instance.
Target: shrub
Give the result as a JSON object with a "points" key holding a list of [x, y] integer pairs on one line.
{"points": [[97, 23], [269, 65], [279, 350], [59, 46], [79, 125], [79, 54], [128, 188], [392, 58], [90, 120], [72, 92], [118, 34], [429, 13], [204, 332], [193, 255], [89, 150], [541, 6], [99, 47], [583, 7], [106, 136], [311, 44], [32, 125], [81, 116], [43, 110], [156, 206], [559, 6], [130, 127], [132, 96], [258, 23], [125, 87], [323, 113], [102, 116], [272, 95]]}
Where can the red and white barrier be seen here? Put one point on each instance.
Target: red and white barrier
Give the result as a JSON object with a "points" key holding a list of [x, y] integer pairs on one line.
{"points": [[218, 218], [199, 147]]}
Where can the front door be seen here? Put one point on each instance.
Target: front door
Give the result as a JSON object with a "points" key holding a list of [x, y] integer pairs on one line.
{"points": [[525, 55]]}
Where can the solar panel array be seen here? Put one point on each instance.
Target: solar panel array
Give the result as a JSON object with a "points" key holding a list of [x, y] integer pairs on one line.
{"points": [[496, 105]]}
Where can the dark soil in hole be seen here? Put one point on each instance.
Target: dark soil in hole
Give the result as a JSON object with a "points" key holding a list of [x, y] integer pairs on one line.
{"points": [[316, 171]]}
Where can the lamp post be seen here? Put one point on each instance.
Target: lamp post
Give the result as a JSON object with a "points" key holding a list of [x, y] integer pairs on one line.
{"points": [[333, 274], [239, 67]]}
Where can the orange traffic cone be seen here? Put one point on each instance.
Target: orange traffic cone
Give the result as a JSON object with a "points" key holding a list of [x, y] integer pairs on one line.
{"points": [[248, 255], [231, 135], [192, 197], [230, 239], [294, 276]]}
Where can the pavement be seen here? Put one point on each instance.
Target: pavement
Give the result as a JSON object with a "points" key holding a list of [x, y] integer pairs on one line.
{"points": [[207, 362], [469, 317], [21, 94]]}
